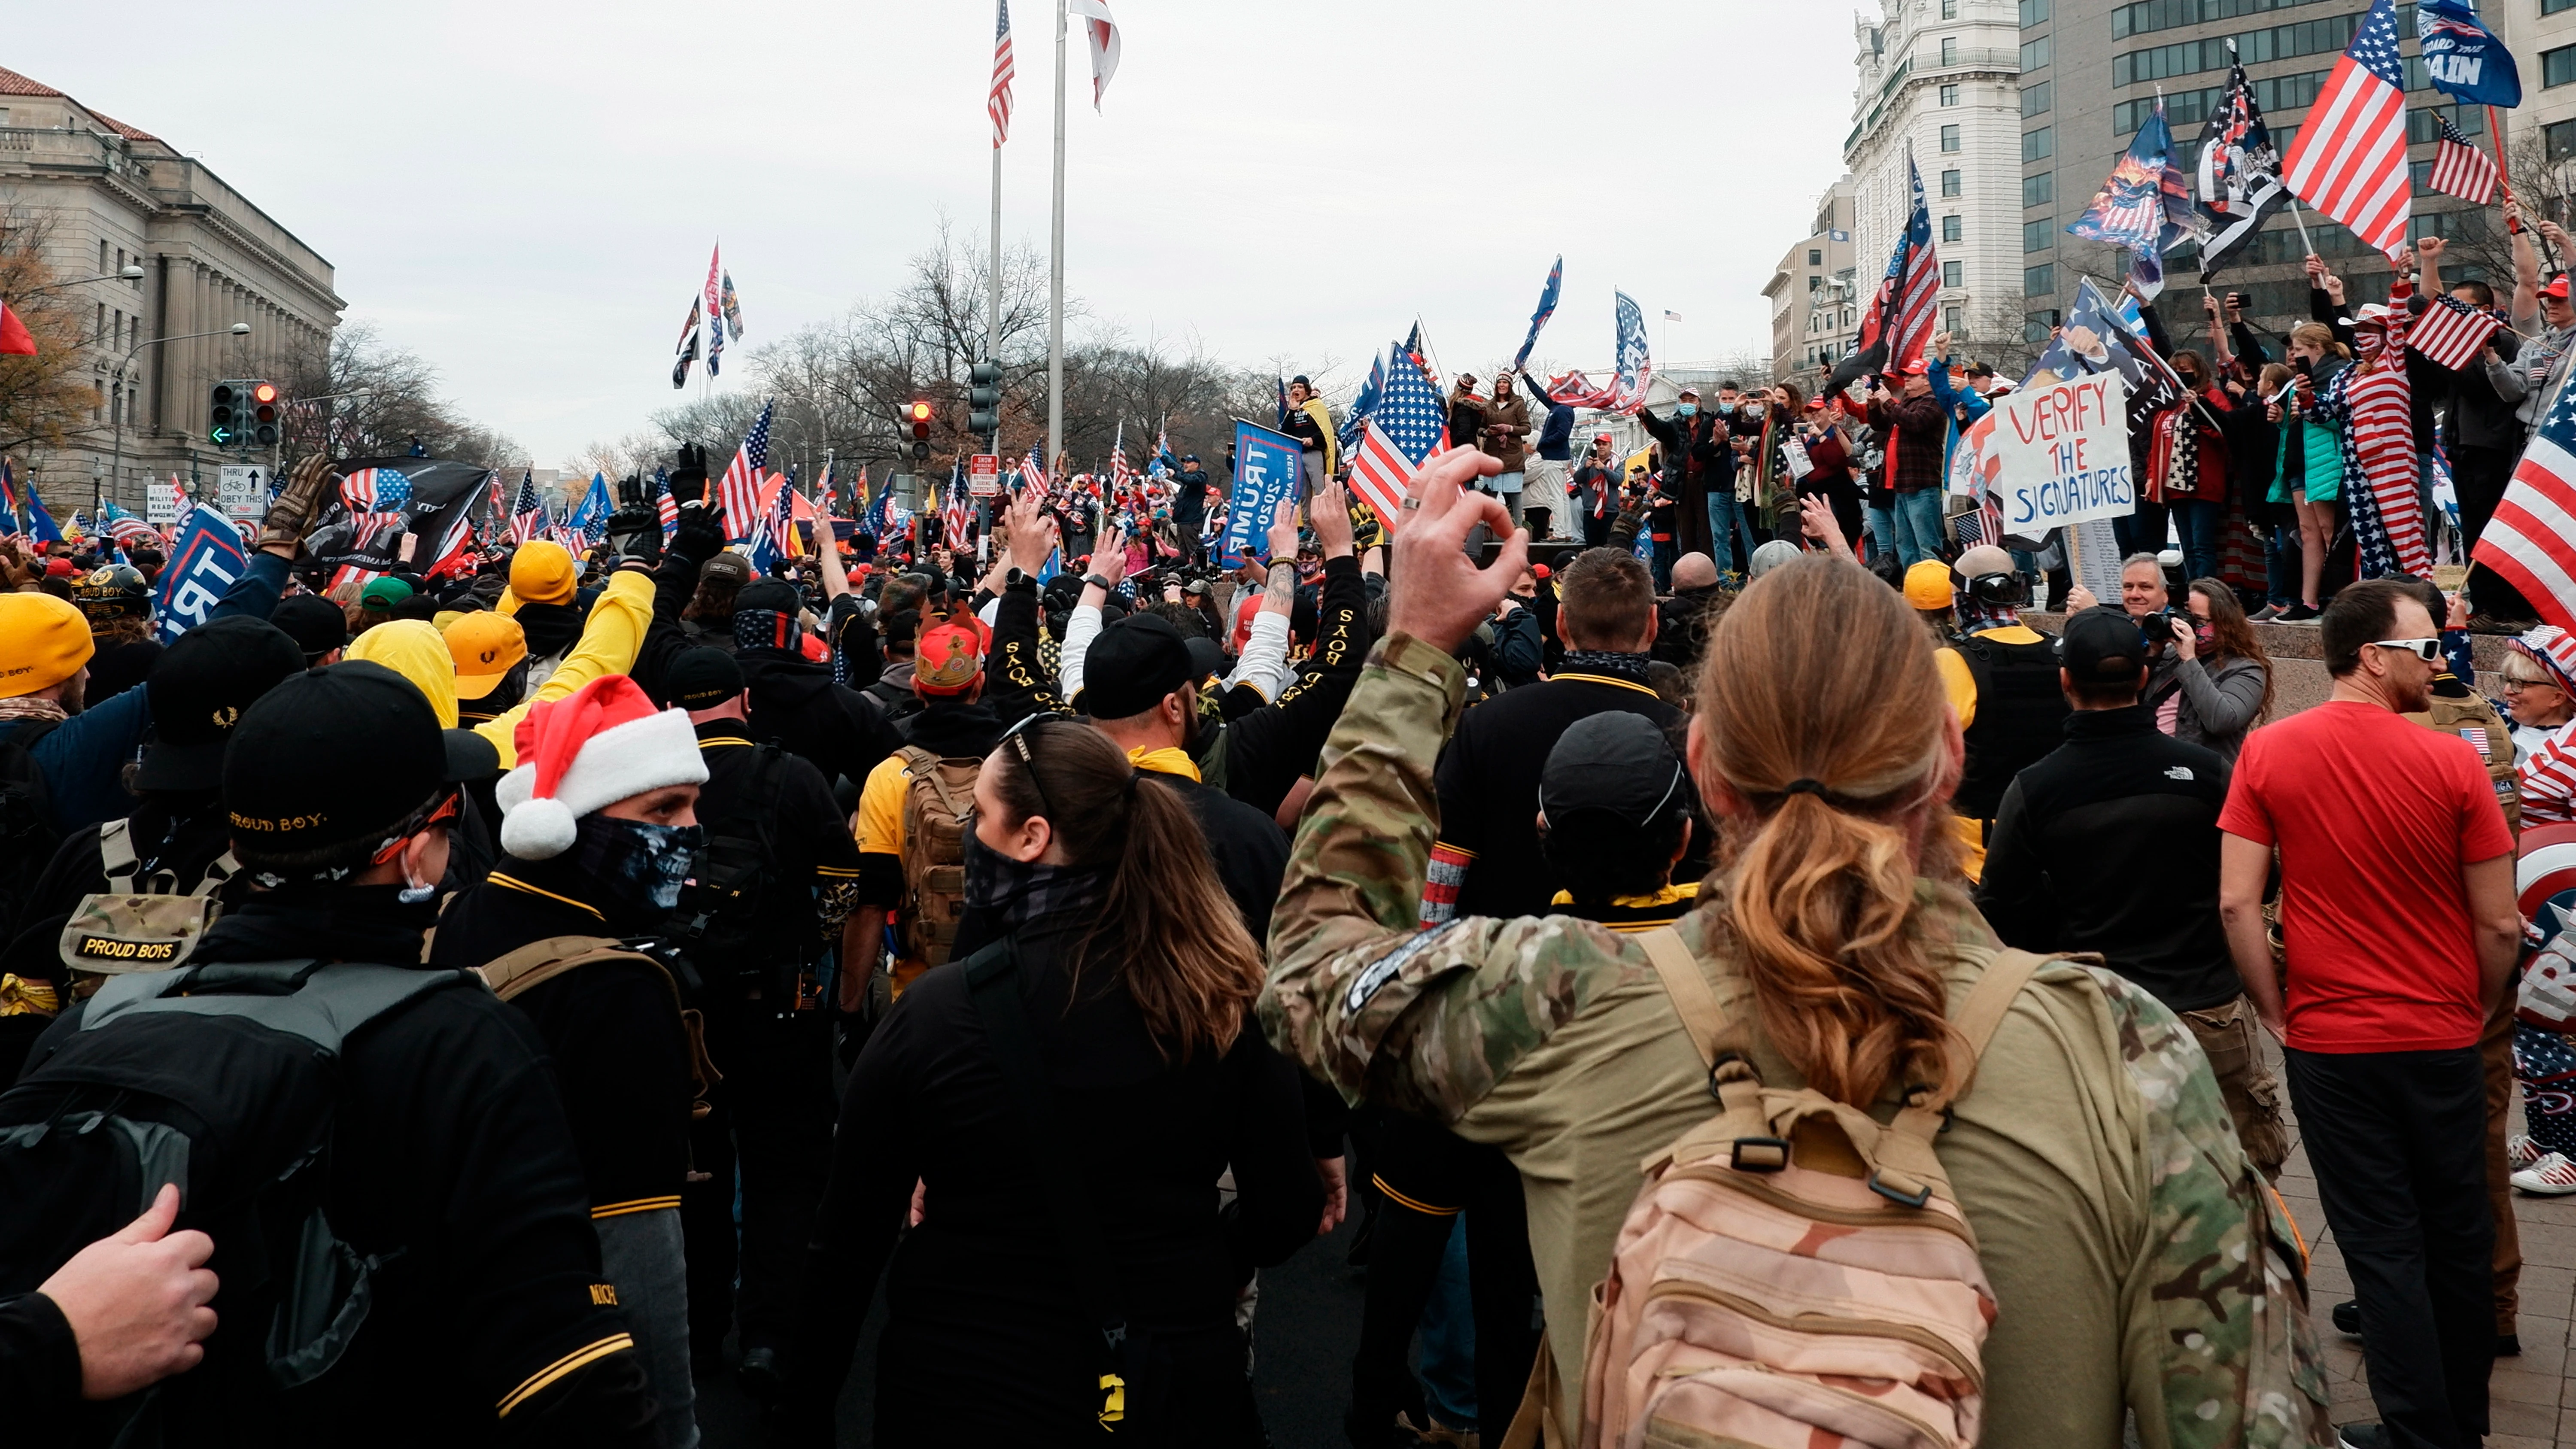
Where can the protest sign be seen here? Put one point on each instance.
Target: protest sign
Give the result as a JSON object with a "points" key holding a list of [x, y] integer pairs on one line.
{"points": [[2061, 454], [1265, 471], [208, 558]]}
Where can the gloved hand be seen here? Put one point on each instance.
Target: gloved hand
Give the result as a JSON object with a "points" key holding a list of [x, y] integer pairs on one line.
{"points": [[689, 480], [635, 531], [699, 536], [294, 507]]}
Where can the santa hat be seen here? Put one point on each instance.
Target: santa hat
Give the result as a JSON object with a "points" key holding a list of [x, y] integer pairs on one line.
{"points": [[584, 752]]}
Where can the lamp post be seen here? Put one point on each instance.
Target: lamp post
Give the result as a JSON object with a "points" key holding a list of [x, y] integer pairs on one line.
{"points": [[117, 405], [131, 273]]}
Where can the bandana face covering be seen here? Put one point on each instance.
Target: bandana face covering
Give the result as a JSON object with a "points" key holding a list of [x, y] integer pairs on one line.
{"points": [[641, 866], [1021, 891]]}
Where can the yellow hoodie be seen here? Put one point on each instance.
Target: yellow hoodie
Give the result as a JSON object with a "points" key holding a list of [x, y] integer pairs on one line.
{"points": [[609, 643]]}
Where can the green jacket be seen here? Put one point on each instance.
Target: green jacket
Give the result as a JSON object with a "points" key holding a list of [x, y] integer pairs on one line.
{"points": [[2139, 1261]]}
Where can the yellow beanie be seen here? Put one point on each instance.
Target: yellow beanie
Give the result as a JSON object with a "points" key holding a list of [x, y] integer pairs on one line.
{"points": [[542, 572], [43, 641]]}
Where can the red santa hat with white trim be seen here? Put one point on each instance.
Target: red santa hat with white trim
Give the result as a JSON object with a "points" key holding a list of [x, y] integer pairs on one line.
{"points": [[586, 751]]}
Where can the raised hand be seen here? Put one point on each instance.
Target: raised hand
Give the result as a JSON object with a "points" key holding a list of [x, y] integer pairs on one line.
{"points": [[1436, 593]]}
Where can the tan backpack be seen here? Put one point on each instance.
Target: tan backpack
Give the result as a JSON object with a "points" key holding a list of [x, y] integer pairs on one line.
{"points": [[1792, 1271], [938, 810], [539, 962]]}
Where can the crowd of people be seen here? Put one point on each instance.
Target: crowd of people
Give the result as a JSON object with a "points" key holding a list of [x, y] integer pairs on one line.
{"points": [[481, 1008]]}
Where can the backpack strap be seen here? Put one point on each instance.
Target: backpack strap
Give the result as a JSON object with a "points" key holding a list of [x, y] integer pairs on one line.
{"points": [[539, 962], [1908, 1167], [925, 768], [116, 849], [324, 1004], [1731, 1079]]}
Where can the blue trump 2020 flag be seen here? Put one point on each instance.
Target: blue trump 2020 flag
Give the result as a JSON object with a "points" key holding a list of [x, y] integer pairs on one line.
{"points": [[2463, 58], [1546, 308], [208, 558], [1265, 471]]}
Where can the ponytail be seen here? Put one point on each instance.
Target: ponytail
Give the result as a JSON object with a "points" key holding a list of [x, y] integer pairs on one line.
{"points": [[1823, 711]]}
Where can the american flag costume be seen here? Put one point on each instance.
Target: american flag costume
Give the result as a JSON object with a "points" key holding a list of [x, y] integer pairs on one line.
{"points": [[2373, 404]]}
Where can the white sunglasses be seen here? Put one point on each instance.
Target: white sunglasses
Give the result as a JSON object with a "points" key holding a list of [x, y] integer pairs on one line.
{"points": [[2428, 650]]}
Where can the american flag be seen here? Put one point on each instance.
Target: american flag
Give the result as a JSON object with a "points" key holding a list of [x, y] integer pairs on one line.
{"points": [[528, 515], [739, 493], [2349, 160], [665, 507], [2451, 333], [1121, 476], [1898, 324], [997, 103], [128, 530], [1033, 471], [375, 490], [2460, 169], [2531, 540], [1409, 425], [453, 553], [953, 517]]}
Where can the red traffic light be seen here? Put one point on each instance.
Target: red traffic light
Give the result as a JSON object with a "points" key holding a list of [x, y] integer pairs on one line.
{"points": [[266, 392], [921, 412]]}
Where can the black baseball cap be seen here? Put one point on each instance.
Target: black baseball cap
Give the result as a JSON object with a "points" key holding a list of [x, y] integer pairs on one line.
{"points": [[199, 689], [1617, 764], [334, 757], [1132, 665], [2102, 645], [1189, 457], [701, 678], [315, 624], [1205, 657], [775, 595]]}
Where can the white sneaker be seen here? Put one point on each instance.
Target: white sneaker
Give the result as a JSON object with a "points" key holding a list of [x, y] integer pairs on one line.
{"points": [[2520, 1152], [2552, 1176]]}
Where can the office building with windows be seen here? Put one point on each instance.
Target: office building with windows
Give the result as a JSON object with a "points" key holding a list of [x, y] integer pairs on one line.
{"points": [[1939, 86], [1814, 312]]}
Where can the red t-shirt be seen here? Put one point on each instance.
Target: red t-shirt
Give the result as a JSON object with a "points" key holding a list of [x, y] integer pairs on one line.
{"points": [[2374, 818]]}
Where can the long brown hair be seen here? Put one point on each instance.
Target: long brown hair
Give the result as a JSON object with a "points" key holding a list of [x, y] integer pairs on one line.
{"points": [[1176, 942], [2232, 634], [1820, 677]]}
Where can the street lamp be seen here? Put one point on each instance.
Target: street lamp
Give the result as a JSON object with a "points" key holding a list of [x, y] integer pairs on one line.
{"points": [[131, 273], [117, 399]]}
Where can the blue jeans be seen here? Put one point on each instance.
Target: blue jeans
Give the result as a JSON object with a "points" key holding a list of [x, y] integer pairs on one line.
{"points": [[1449, 1337], [2281, 566], [2199, 521], [1918, 526], [1882, 531], [1728, 518]]}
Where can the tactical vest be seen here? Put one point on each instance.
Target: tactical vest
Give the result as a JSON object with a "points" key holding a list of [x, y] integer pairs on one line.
{"points": [[2475, 720], [2021, 716]]}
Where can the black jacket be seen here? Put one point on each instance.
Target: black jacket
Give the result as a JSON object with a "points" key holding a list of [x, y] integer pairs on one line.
{"points": [[2110, 844], [452, 1161], [795, 702], [814, 860]]}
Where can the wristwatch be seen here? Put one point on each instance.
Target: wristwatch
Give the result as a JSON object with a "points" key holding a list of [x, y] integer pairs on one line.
{"points": [[1100, 582]]}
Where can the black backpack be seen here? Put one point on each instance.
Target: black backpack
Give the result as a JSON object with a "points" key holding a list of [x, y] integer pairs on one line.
{"points": [[725, 923], [27, 834], [225, 1079]]}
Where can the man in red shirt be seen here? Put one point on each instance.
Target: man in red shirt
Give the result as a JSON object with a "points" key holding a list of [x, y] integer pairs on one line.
{"points": [[2397, 910]]}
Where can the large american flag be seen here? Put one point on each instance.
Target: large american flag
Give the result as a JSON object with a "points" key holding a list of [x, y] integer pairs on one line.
{"points": [[1034, 471], [1409, 424], [2452, 333], [2531, 540], [2460, 169], [997, 103], [528, 514], [739, 492], [1898, 325], [2349, 160]]}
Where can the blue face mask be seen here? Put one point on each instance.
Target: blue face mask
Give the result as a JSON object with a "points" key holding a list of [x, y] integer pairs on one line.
{"points": [[642, 866], [1686, 410], [1726, 407]]}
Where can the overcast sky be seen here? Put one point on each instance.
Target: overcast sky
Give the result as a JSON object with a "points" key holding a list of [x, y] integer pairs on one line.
{"points": [[525, 193]]}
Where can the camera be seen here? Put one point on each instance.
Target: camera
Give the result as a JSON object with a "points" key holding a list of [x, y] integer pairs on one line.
{"points": [[2159, 626]]}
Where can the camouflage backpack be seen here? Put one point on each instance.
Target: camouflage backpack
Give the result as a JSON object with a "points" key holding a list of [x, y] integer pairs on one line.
{"points": [[145, 921], [938, 810], [1792, 1272]]}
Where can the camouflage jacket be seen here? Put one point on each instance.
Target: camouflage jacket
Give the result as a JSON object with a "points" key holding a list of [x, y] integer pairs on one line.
{"points": [[2139, 1261]]}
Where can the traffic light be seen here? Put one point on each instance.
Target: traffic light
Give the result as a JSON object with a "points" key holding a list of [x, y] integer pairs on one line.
{"points": [[919, 414], [263, 414], [984, 399], [224, 414]]}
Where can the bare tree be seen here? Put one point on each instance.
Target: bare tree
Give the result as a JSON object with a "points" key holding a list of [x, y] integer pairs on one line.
{"points": [[47, 398], [372, 399]]}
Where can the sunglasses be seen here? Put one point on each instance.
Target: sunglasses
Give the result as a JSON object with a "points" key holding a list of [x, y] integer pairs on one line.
{"points": [[449, 804], [2428, 650], [1017, 737]]}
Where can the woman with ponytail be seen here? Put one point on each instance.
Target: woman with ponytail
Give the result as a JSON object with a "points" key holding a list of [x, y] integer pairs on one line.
{"points": [[1066, 1097], [2139, 1265]]}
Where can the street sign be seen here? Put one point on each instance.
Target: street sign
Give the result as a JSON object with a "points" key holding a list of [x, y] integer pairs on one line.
{"points": [[243, 489], [984, 476]]}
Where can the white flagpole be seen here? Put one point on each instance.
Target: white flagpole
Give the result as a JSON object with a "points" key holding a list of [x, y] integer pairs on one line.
{"points": [[1055, 268]]}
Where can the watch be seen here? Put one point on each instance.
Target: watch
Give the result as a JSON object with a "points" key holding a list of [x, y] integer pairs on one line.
{"points": [[1100, 582]]}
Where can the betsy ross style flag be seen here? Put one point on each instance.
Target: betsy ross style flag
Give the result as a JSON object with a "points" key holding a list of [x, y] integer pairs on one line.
{"points": [[2349, 161], [2451, 333], [2531, 540], [2460, 169], [1898, 324], [997, 102], [739, 494], [1409, 424]]}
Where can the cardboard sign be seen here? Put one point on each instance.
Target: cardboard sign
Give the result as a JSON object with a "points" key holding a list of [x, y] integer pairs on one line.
{"points": [[2060, 453], [1265, 471]]}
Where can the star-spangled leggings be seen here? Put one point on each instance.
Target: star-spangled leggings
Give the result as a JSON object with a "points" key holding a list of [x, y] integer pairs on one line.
{"points": [[2545, 1063]]}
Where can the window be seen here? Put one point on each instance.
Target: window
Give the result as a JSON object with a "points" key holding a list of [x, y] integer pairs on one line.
{"points": [[1815, 284], [2558, 67], [2035, 326], [2424, 127], [1949, 9], [2558, 140], [102, 254], [2148, 16], [1950, 318], [2034, 99], [1815, 258], [2037, 145], [2547, 7], [2040, 235], [2033, 12], [1949, 50], [1950, 180], [2307, 37], [2039, 281], [2422, 172], [1950, 140], [2039, 190], [1949, 95], [2034, 53], [1950, 227], [1952, 275]]}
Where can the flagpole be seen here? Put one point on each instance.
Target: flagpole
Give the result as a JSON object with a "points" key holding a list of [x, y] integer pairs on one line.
{"points": [[1055, 266], [993, 282], [2495, 129], [2301, 223]]}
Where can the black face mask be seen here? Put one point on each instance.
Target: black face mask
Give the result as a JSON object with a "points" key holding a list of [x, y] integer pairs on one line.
{"points": [[640, 866]]}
